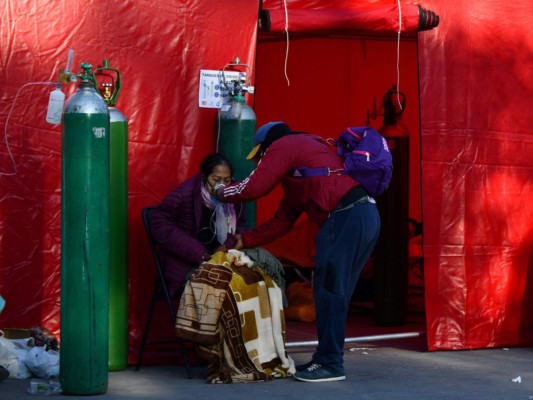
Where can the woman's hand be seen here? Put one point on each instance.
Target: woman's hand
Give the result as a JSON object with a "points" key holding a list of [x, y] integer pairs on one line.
{"points": [[239, 244], [221, 248], [234, 242]]}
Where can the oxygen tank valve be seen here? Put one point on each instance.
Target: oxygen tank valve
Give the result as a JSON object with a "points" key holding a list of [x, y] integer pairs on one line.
{"points": [[107, 82], [66, 75], [237, 88], [393, 105], [86, 75], [245, 88]]}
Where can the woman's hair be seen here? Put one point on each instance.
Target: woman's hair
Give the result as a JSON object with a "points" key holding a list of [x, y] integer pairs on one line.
{"points": [[211, 161]]}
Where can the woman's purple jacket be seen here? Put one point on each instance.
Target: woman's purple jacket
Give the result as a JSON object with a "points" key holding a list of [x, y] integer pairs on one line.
{"points": [[175, 225]]}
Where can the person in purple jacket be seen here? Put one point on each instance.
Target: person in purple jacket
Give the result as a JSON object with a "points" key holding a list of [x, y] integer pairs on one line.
{"points": [[190, 224]]}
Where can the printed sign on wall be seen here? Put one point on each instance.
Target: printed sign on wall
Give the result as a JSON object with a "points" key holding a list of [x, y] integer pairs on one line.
{"points": [[212, 93]]}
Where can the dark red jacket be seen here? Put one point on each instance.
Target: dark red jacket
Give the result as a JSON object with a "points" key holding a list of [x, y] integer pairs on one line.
{"points": [[316, 196], [175, 225]]}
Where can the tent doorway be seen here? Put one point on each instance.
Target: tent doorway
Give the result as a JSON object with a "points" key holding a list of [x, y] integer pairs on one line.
{"points": [[322, 85]]}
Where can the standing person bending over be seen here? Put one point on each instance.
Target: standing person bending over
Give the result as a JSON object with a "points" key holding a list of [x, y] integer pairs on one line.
{"points": [[190, 224], [349, 228]]}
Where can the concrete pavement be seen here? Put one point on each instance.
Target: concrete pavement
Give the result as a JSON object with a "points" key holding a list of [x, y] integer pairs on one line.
{"points": [[398, 370]]}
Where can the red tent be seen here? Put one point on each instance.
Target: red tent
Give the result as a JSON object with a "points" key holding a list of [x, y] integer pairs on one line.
{"points": [[468, 89]]}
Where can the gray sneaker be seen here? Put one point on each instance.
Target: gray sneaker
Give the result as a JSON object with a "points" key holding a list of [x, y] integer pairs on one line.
{"points": [[318, 373]]}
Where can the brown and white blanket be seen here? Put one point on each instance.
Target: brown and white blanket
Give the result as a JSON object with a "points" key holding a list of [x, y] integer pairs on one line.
{"points": [[234, 314]]}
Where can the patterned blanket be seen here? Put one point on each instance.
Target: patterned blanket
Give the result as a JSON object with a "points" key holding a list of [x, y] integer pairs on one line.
{"points": [[234, 314]]}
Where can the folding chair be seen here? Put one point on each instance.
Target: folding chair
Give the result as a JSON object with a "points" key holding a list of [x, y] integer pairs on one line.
{"points": [[160, 293]]}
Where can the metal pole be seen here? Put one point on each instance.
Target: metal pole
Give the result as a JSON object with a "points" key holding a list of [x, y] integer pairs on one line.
{"points": [[371, 338]]}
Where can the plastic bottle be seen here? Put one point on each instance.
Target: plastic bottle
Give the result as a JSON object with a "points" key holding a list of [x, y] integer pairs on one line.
{"points": [[44, 387], [55, 106]]}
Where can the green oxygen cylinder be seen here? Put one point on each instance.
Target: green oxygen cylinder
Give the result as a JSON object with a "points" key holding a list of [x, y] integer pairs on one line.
{"points": [[108, 84], [237, 125], [85, 241]]}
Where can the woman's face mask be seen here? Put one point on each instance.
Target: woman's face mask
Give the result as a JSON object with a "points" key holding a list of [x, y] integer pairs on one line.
{"points": [[219, 174]]}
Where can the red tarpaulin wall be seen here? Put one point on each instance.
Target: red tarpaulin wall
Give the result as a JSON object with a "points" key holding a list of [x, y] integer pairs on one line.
{"points": [[476, 88], [159, 47], [475, 84]]}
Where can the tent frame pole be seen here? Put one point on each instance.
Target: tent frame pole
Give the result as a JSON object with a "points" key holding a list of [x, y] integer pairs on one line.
{"points": [[370, 338]]}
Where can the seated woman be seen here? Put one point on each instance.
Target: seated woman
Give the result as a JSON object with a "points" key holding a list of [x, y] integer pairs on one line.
{"points": [[190, 225], [194, 233]]}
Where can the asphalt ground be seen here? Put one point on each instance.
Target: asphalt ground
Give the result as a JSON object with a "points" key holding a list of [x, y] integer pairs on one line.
{"points": [[385, 369]]}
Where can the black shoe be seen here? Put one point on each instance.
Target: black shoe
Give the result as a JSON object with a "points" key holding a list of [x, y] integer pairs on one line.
{"points": [[318, 373], [4, 373]]}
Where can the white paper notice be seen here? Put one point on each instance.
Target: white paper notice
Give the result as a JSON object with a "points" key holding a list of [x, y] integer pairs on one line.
{"points": [[212, 93]]}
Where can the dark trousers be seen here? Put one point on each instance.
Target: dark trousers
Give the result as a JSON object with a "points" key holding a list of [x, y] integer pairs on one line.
{"points": [[343, 246]]}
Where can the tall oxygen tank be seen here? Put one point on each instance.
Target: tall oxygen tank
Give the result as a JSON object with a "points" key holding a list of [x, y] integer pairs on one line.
{"points": [[392, 250], [85, 241], [108, 84], [237, 125]]}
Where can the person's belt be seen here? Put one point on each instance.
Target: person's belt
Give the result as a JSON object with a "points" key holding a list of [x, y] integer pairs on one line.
{"points": [[356, 195]]}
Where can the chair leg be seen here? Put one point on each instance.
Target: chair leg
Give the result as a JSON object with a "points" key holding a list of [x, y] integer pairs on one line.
{"points": [[146, 330], [185, 358], [181, 343]]}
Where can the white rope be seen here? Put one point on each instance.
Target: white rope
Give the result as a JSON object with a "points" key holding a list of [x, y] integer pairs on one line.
{"points": [[398, 55], [287, 48], [7, 122]]}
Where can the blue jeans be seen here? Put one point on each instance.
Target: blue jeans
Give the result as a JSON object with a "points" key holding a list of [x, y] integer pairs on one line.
{"points": [[343, 246]]}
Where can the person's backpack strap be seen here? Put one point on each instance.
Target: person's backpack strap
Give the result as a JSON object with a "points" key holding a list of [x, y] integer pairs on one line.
{"points": [[306, 172]]}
